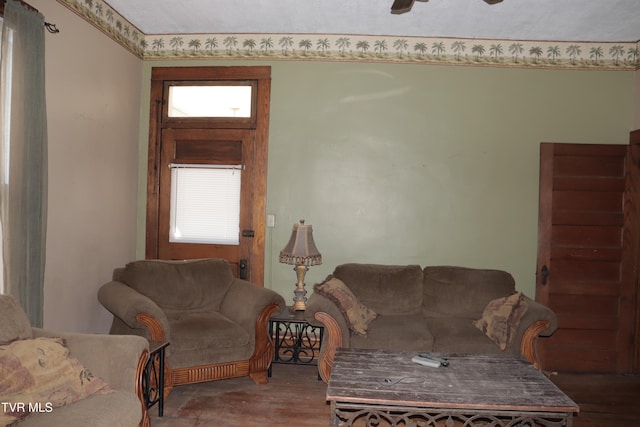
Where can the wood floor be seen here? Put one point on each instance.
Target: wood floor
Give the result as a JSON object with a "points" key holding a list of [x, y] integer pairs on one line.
{"points": [[295, 397], [604, 400]]}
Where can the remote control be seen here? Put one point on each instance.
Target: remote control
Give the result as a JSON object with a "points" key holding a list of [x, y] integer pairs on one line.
{"points": [[443, 362], [426, 362]]}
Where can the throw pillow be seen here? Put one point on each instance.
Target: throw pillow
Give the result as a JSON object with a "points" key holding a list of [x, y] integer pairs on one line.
{"points": [[357, 315], [40, 374], [501, 318]]}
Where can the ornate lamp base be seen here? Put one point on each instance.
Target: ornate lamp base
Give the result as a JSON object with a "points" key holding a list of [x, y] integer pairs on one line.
{"points": [[300, 299]]}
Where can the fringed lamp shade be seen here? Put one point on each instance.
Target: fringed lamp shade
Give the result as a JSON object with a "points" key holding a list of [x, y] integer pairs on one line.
{"points": [[301, 251]]}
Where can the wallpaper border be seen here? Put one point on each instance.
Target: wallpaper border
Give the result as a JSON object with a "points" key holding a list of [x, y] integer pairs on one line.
{"points": [[359, 48]]}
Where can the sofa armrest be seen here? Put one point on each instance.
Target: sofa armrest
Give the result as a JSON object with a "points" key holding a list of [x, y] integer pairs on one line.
{"points": [[244, 302], [320, 304], [539, 320], [251, 306], [135, 310], [114, 358], [321, 311], [536, 312]]}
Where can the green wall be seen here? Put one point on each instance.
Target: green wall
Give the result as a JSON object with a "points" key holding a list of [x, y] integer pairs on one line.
{"points": [[417, 164]]}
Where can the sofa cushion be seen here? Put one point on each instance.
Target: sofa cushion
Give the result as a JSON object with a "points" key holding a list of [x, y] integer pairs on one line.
{"points": [[461, 291], [397, 332], [120, 408], [357, 315], [14, 324], [458, 335], [501, 318], [386, 289], [41, 370], [180, 285], [198, 336]]}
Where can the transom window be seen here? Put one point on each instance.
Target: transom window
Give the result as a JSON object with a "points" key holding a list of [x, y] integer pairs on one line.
{"points": [[210, 101]]}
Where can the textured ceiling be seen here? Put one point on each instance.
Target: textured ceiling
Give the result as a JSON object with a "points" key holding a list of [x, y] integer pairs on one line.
{"points": [[548, 20]]}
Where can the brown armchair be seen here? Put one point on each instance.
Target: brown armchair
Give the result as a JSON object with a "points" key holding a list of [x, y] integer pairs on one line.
{"points": [[217, 325]]}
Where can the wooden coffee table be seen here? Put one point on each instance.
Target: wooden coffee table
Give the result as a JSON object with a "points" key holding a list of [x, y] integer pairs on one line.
{"points": [[384, 388]]}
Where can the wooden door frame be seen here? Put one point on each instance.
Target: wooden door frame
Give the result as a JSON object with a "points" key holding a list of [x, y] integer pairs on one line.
{"points": [[262, 74], [632, 236]]}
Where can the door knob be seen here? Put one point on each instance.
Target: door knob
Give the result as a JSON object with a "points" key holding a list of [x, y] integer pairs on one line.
{"points": [[243, 269]]}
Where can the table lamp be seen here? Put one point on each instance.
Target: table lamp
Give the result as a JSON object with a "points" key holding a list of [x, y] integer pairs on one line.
{"points": [[301, 251]]}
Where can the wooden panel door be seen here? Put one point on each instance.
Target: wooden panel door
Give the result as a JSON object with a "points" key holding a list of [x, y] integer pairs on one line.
{"points": [[582, 274], [210, 140], [632, 238], [209, 147]]}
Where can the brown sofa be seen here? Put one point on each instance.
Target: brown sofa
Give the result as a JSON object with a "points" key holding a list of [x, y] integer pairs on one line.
{"points": [[216, 324], [431, 309], [60, 377]]}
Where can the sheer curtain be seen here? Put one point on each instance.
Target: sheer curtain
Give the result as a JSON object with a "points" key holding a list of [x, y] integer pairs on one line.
{"points": [[23, 157]]}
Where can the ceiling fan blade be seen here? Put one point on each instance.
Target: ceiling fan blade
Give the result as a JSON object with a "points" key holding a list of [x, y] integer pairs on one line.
{"points": [[401, 6]]}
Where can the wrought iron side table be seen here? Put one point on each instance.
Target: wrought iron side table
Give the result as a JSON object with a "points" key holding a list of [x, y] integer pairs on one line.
{"points": [[153, 376], [295, 340]]}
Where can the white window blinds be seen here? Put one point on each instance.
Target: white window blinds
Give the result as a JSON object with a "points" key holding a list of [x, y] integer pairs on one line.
{"points": [[205, 204]]}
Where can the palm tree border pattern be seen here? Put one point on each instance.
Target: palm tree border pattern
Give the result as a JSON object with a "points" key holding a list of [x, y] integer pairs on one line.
{"points": [[519, 53]]}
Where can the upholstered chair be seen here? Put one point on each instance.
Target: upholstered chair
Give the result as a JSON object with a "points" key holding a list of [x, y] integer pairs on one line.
{"points": [[217, 325], [68, 379]]}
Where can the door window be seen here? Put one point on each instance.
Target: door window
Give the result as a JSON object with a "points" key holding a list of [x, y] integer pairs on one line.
{"points": [[205, 204]]}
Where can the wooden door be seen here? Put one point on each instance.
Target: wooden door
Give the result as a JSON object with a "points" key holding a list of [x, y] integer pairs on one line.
{"points": [[632, 237], [582, 272], [208, 148], [209, 141]]}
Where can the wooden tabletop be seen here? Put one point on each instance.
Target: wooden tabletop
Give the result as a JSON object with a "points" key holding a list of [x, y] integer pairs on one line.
{"points": [[287, 314], [484, 382]]}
